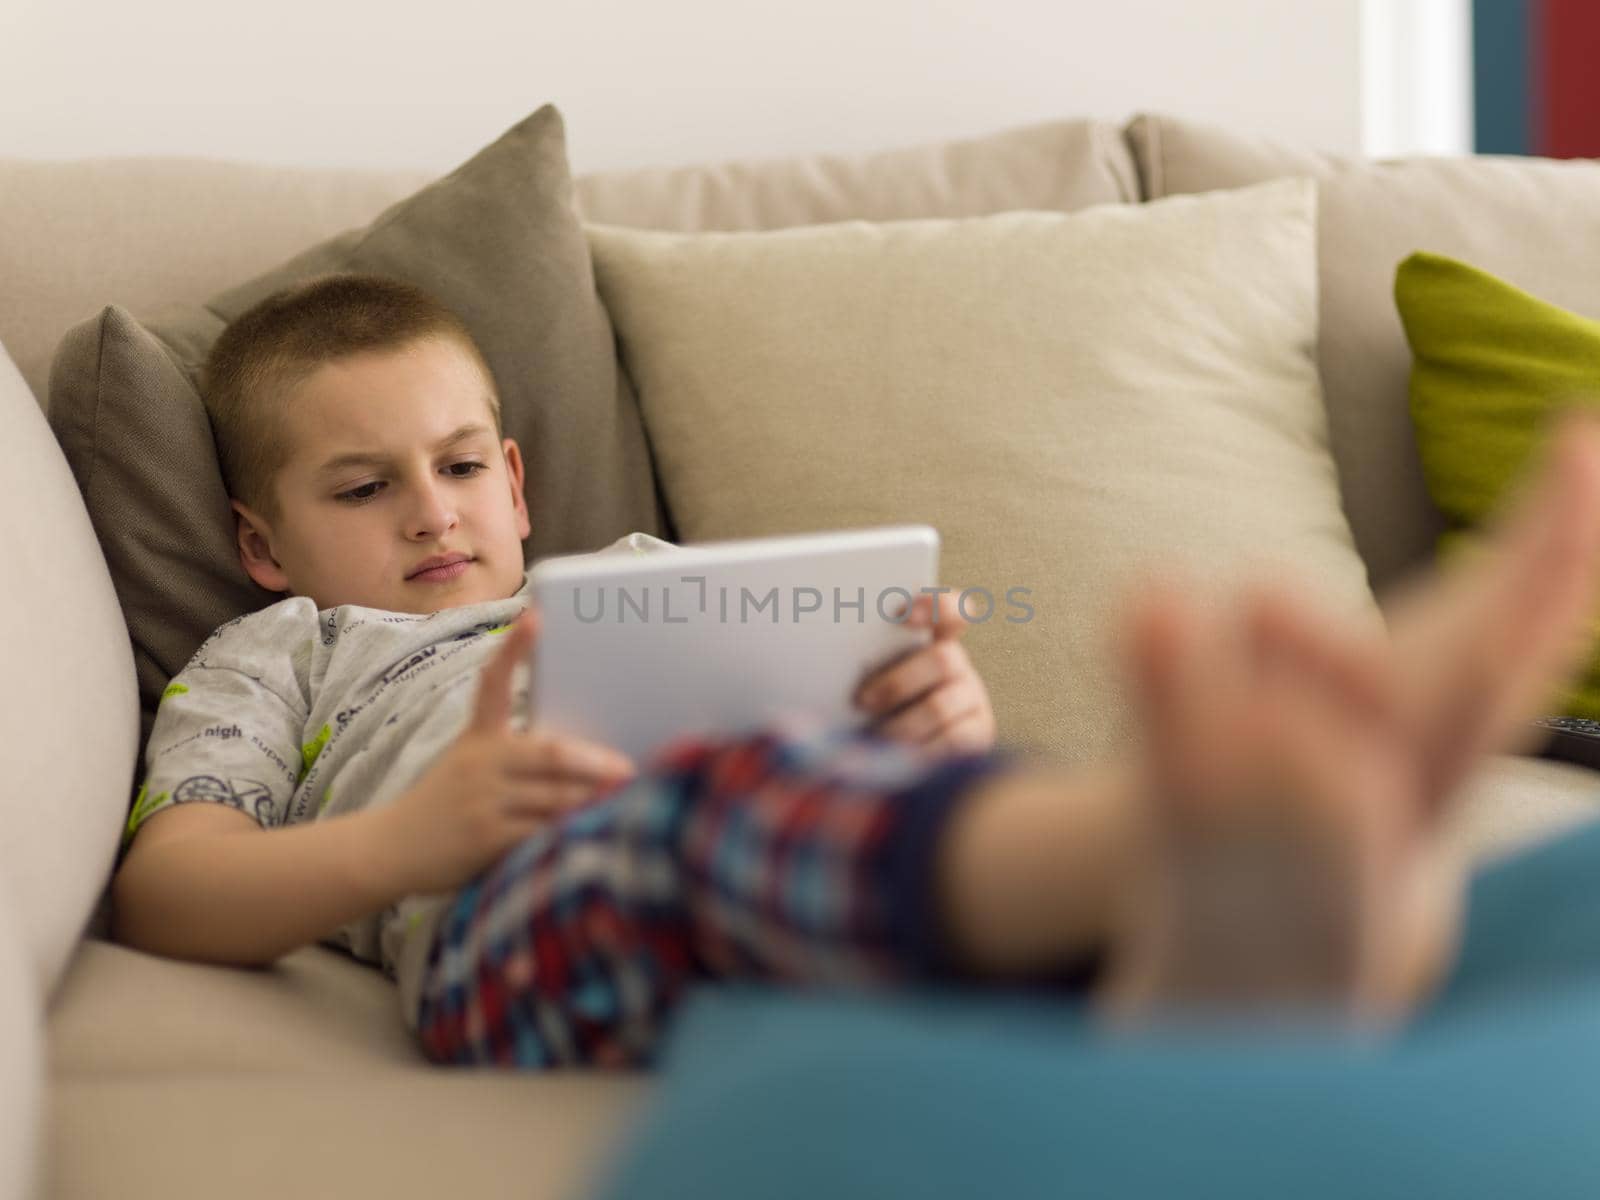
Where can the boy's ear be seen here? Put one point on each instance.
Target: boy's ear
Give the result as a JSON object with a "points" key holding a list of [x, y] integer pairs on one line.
{"points": [[518, 501], [255, 550]]}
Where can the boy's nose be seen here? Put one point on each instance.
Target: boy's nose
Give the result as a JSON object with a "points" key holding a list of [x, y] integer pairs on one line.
{"points": [[432, 514]]}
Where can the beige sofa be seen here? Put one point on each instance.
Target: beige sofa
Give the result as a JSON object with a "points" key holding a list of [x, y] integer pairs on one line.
{"points": [[130, 1076]]}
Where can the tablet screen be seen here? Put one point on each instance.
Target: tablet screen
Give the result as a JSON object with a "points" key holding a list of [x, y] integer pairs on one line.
{"points": [[718, 639]]}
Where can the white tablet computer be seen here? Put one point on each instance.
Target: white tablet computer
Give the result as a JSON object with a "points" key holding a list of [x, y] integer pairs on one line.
{"points": [[722, 637]]}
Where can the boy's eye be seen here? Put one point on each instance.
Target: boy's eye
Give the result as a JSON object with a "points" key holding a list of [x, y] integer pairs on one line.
{"points": [[369, 491], [357, 494]]}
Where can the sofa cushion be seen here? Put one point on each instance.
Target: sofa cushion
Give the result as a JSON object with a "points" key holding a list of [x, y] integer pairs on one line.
{"points": [[121, 1011], [1056, 165], [1512, 801], [1174, 157], [311, 1054], [1374, 214], [496, 240], [70, 710], [400, 1134], [1069, 399]]}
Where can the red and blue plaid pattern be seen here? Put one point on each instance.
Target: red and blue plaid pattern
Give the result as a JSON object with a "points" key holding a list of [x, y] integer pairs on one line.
{"points": [[799, 855]]}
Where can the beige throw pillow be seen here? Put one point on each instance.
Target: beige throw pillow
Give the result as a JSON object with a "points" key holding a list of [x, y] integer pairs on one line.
{"points": [[1070, 399]]}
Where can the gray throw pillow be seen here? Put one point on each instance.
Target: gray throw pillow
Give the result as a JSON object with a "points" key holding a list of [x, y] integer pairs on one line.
{"points": [[499, 241]]}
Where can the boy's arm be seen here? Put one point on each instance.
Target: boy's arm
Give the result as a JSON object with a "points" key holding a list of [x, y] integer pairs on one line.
{"points": [[214, 884], [197, 879], [206, 882]]}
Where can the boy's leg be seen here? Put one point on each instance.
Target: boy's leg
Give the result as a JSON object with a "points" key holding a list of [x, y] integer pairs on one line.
{"points": [[808, 857]]}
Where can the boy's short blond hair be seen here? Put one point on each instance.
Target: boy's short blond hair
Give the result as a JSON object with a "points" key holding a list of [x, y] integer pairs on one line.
{"points": [[271, 348]]}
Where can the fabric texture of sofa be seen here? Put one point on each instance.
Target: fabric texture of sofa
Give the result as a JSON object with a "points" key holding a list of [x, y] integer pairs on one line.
{"points": [[156, 1078]]}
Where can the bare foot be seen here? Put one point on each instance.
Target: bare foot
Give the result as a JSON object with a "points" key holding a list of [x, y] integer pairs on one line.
{"points": [[1285, 869], [1481, 648], [1295, 772]]}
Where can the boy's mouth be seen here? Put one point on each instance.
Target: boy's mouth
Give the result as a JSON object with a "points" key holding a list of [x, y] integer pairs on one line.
{"points": [[441, 568]]}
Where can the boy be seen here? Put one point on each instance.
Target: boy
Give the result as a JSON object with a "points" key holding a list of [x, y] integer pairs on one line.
{"points": [[541, 902]]}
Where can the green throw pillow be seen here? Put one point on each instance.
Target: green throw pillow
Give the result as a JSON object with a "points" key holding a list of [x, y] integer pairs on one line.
{"points": [[1492, 367]]}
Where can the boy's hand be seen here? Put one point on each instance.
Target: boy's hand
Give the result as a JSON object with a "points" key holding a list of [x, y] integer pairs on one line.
{"points": [[932, 698], [493, 787]]}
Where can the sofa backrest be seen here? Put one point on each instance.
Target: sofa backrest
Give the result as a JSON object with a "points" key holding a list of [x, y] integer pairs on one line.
{"points": [[1057, 166], [147, 232], [1529, 221], [144, 232]]}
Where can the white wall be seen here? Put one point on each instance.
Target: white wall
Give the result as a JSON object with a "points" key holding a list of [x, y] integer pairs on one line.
{"points": [[368, 82]]}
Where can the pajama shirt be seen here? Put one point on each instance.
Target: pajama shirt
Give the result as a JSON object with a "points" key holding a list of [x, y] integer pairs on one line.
{"points": [[291, 714]]}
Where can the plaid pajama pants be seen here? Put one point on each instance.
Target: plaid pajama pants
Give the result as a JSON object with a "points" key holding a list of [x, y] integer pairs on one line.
{"points": [[800, 855]]}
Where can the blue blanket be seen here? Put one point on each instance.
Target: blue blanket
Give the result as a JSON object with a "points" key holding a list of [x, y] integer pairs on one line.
{"points": [[1494, 1092]]}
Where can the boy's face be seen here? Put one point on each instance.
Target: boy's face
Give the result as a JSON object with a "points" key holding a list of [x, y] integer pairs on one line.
{"points": [[393, 462]]}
